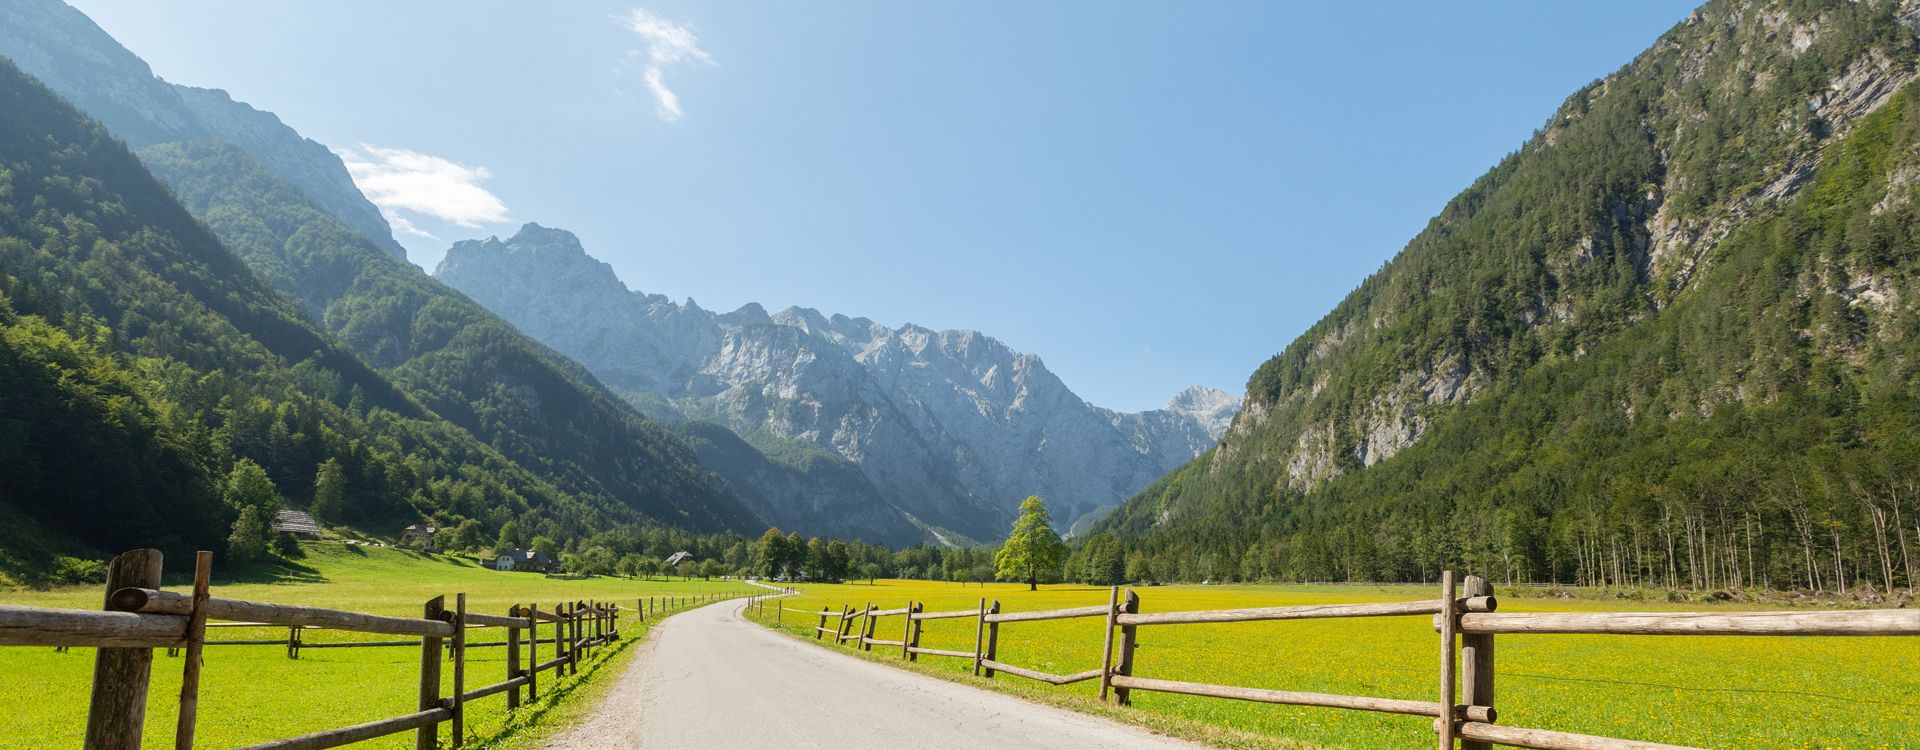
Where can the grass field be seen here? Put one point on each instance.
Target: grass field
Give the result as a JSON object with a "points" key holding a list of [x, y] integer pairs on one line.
{"points": [[252, 694], [1747, 692]]}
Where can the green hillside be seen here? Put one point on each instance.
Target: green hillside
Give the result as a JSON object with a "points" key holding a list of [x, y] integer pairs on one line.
{"points": [[145, 361], [532, 405], [1670, 340]]}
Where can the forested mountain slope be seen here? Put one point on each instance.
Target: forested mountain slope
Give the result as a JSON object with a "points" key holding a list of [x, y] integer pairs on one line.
{"points": [[1670, 340], [67, 52], [532, 405], [143, 359]]}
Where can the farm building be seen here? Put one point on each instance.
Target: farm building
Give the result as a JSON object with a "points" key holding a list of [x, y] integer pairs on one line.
{"points": [[682, 557], [296, 523], [525, 561], [423, 533]]}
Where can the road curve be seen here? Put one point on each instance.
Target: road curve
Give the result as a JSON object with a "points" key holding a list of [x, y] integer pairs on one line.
{"points": [[708, 678]]}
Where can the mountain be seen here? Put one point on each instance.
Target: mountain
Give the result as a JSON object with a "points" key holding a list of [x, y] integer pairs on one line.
{"points": [[536, 406], [800, 486], [1670, 340], [65, 50], [532, 405], [452, 355], [143, 359], [953, 426]]}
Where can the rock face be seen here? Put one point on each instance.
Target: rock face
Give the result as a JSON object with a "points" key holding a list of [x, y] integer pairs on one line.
{"points": [[952, 426], [78, 60]]}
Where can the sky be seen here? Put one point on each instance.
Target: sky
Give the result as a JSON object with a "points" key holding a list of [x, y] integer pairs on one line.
{"points": [[1147, 195]]}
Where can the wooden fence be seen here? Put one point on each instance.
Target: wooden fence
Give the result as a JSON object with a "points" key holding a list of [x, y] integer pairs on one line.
{"points": [[1465, 619], [139, 617]]}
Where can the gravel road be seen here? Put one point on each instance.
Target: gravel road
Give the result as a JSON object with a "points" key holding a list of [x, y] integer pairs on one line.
{"points": [[707, 678]]}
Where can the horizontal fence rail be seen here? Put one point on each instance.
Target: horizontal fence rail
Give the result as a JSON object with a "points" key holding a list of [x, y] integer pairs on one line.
{"points": [[141, 617], [1858, 622], [1467, 620]]}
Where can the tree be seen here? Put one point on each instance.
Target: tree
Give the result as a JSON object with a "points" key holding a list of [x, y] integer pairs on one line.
{"points": [[1033, 549], [795, 560], [770, 554], [1104, 564], [468, 536], [838, 557], [870, 571], [547, 546], [251, 495], [329, 492], [819, 566], [649, 566], [510, 537], [630, 565], [248, 542], [710, 568]]}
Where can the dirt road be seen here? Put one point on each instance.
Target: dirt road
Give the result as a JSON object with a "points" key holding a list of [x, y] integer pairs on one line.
{"points": [[709, 679]]}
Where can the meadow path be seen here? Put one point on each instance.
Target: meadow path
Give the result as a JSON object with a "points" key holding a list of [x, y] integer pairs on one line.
{"points": [[708, 678]]}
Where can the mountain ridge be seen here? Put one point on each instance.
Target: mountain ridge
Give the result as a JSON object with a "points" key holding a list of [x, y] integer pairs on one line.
{"points": [[954, 419], [73, 56], [1647, 199]]}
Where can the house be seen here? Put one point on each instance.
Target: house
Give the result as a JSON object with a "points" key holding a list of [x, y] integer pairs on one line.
{"points": [[675, 560], [524, 560], [296, 523], [421, 532]]}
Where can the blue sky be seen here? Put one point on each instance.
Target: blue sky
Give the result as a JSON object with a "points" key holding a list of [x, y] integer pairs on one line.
{"points": [[1146, 195]]}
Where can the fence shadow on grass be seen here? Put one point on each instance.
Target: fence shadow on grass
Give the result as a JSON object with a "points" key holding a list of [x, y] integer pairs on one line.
{"points": [[528, 717]]}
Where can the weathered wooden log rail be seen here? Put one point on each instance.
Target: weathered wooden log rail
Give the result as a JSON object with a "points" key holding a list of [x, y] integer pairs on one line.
{"points": [[1466, 619], [140, 617]]}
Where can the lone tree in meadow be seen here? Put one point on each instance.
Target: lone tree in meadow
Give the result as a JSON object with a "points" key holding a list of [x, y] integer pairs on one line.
{"points": [[1032, 547]]}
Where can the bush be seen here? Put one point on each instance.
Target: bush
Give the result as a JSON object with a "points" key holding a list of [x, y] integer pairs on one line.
{"points": [[67, 571]]}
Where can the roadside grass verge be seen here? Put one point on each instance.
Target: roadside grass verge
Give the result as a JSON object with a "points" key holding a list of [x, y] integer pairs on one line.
{"points": [[1800, 692], [252, 694]]}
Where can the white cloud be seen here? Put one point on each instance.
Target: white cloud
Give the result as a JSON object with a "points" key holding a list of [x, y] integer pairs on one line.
{"points": [[406, 183], [665, 44]]}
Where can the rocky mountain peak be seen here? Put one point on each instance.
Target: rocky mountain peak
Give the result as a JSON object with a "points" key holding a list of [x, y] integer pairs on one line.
{"points": [[1212, 408], [953, 425]]}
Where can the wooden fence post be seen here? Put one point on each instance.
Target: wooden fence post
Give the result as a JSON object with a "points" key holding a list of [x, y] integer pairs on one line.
{"points": [[1106, 648], [533, 652], [1444, 728], [993, 636], [979, 636], [846, 624], [866, 629], [513, 660], [1476, 661], [822, 628], [196, 642], [1128, 642], [459, 669], [118, 708], [913, 637], [573, 638], [427, 737], [906, 630]]}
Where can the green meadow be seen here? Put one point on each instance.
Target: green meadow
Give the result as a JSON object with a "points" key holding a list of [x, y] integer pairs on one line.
{"points": [[1747, 692], [252, 694]]}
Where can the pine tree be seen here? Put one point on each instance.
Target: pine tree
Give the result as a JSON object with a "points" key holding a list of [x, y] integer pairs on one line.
{"points": [[329, 492]]}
